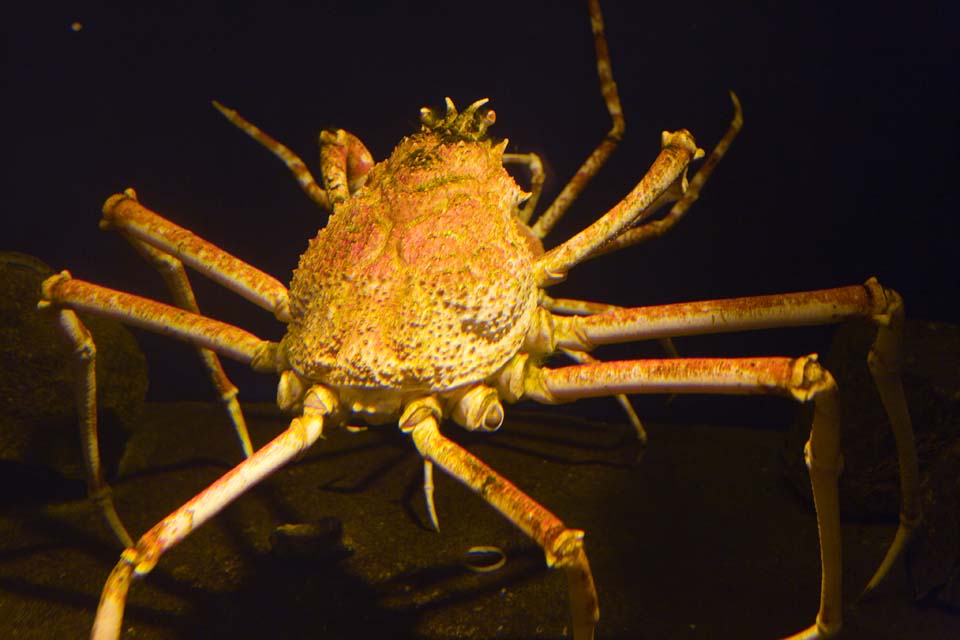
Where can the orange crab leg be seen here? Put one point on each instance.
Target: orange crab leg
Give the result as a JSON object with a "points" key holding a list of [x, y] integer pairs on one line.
{"points": [[870, 301], [175, 277], [670, 166], [825, 306], [125, 213], [800, 378], [85, 354], [137, 561], [64, 291], [655, 228], [71, 295], [563, 547]]}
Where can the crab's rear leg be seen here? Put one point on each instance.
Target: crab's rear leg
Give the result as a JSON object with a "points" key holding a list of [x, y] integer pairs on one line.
{"points": [[593, 163], [175, 277], [563, 547], [344, 161]]}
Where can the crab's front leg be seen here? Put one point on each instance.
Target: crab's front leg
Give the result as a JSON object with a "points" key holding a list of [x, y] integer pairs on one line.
{"points": [[563, 547], [139, 560]]}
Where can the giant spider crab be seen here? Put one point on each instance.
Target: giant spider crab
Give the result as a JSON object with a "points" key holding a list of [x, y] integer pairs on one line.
{"points": [[423, 298]]}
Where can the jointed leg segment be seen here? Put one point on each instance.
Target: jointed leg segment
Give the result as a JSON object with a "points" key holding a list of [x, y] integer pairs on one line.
{"points": [[344, 161], [85, 352], [64, 291], [590, 167], [209, 335], [126, 214], [563, 547], [139, 560], [175, 277], [802, 378]]}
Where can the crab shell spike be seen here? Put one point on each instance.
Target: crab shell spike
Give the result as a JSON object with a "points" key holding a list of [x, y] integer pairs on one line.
{"points": [[478, 408], [476, 105], [428, 117], [451, 108]]}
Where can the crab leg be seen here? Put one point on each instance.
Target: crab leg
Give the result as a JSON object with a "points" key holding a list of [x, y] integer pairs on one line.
{"points": [[210, 335], [563, 547], [655, 228], [233, 342], [800, 378], [123, 212], [175, 277], [137, 561], [593, 163], [870, 301], [344, 160], [669, 167], [85, 354]]}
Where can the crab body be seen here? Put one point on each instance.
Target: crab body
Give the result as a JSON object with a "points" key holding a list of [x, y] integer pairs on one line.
{"points": [[423, 299], [422, 279]]}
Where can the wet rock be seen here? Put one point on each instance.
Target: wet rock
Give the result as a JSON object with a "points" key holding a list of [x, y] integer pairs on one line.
{"points": [[38, 433]]}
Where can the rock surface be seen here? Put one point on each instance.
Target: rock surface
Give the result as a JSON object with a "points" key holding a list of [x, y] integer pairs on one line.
{"points": [[38, 432]]}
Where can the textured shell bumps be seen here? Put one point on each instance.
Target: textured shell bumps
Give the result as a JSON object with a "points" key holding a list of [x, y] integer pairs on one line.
{"points": [[422, 279]]}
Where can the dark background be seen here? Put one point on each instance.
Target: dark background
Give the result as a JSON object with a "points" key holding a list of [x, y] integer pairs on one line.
{"points": [[844, 168]]}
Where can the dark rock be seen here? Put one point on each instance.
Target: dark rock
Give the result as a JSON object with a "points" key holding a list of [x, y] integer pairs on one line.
{"points": [[933, 560], [39, 425]]}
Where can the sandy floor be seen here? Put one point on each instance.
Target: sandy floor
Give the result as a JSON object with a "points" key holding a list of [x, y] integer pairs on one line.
{"points": [[700, 538]]}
